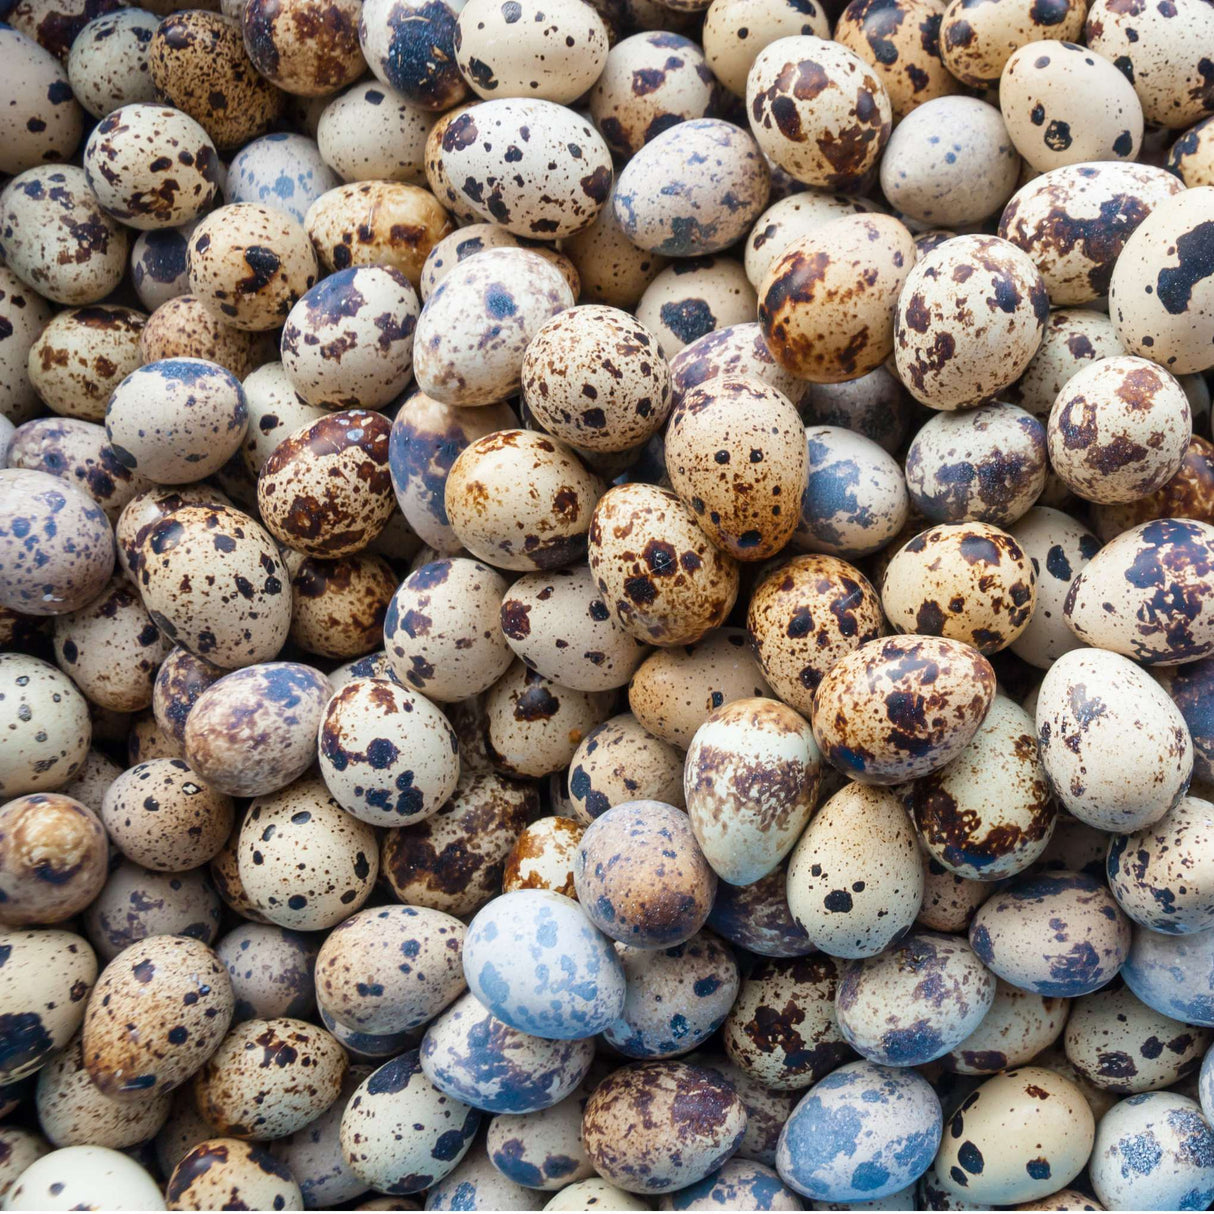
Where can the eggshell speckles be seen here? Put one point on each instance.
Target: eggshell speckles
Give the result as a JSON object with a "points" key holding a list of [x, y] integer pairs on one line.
{"points": [[43, 120], [306, 47], [74, 1177], [227, 1169], [756, 917], [634, 1115], [411, 47], [137, 903], [542, 857], [694, 297], [46, 726], [1016, 1029], [25, 314], [271, 971], [621, 761], [976, 40]]}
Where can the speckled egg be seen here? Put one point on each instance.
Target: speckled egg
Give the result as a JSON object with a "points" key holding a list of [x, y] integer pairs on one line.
{"points": [[146, 509], [182, 327], [20, 1147], [151, 166], [306, 47], [108, 63], [736, 350], [136, 903], [818, 110], [595, 1194], [177, 991], [283, 171], [1020, 1136], [631, 1117], [349, 341], [1191, 157], [271, 971], [1074, 338], [1056, 933], [410, 46], [160, 264], [275, 412], [1189, 494], [1171, 974], [46, 726], [229, 1170], [737, 1183], [73, 1178], [969, 320], [862, 1133], [476, 1182], [976, 40], [712, 182], [453, 861], [536, 962], [542, 856], [465, 352], [757, 917], [476, 238], [545, 1148], [621, 761], [694, 297], [338, 606], [1018, 1026], [1075, 221], [24, 314], [372, 133]]}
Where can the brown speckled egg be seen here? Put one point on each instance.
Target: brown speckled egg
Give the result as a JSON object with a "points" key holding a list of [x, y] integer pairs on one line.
{"points": [[111, 648], [735, 31], [306, 47], [24, 314], [275, 412], [1018, 1026], [818, 110], [736, 455], [1074, 337], [969, 320], [1119, 430], [1161, 293], [90, 782], [183, 327], [43, 212], [732, 351], [338, 606], [900, 707], [1050, 218], [693, 297], [949, 901], [225, 873], [651, 81], [657, 571], [521, 500], [108, 62], [147, 741], [827, 302], [804, 616], [453, 861], [969, 582], [198, 63], [641, 877], [45, 722], [151, 166], [229, 1170], [55, 24], [634, 1115], [620, 761], [349, 341], [371, 133], [1191, 157], [855, 879], [137, 903], [82, 356], [42, 121], [1145, 593], [388, 223], [977, 39], [53, 859], [176, 993], [476, 238], [146, 509], [271, 970], [326, 490], [213, 581], [986, 464], [1189, 494], [254, 731], [249, 265], [542, 856]]}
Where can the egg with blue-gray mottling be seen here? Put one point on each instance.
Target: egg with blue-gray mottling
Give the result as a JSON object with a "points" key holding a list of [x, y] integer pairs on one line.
{"points": [[271, 969], [536, 962], [475, 1184], [1173, 974], [1018, 1027], [738, 1184], [281, 170], [410, 46], [756, 917]]}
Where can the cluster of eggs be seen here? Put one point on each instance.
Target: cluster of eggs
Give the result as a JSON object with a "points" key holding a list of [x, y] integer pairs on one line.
{"points": [[606, 605]]}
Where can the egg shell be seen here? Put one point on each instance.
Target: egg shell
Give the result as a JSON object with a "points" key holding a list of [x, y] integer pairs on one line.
{"points": [[338, 606], [987, 1154], [160, 264], [1074, 338], [370, 132], [630, 1116], [96, 774], [282, 171], [595, 1194], [1018, 1026], [542, 856], [21, 1147], [545, 1148], [177, 991], [1170, 974], [976, 42], [694, 297], [72, 1178], [757, 917], [271, 971], [179, 681], [182, 327], [219, 1169], [108, 62], [862, 1133], [43, 121], [25, 314], [410, 46], [766, 1109], [1188, 494], [1190, 158], [621, 761], [146, 741], [477, 1182], [306, 47], [466, 242], [46, 726], [736, 350], [453, 861]]}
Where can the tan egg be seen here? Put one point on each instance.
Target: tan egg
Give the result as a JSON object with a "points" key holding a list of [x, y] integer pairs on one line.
{"points": [[901, 42], [25, 314], [111, 648], [176, 994], [1163, 53], [949, 901], [1119, 430], [976, 40], [275, 412], [46, 726], [90, 782], [1021, 1136], [1144, 594], [147, 741], [271, 970], [855, 879], [306, 47], [225, 873], [594, 1194], [249, 265], [146, 509], [694, 297], [1050, 218], [159, 262], [227, 1169], [1017, 1028], [957, 346], [735, 31], [326, 491], [621, 761], [827, 302], [818, 110], [521, 500], [1074, 337], [21, 1147], [43, 121], [1191, 157], [196, 567], [437, 177], [542, 856], [1161, 295], [472, 334], [183, 327], [338, 606], [82, 356], [136, 903], [476, 238], [42, 213], [969, 582], [737, 350], [695, 189], [371, 133], [108, 61], [199, 64], [650, 82], [1189, 494], [454, 860]]}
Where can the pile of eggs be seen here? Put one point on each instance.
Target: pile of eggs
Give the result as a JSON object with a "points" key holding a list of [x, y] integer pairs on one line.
{"points": [[606, 605]]}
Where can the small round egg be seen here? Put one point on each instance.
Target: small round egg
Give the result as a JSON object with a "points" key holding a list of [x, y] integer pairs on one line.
{"points": [[736, 350], [372, 133], [108, 63], [1074, 338], [146, 509], [160, 264], [694, 297], [411, 47], [542, 856], [182, 327], [621, 761], [543, 1148], [1169, 973], [280, 170], [275, 412], [757, 917], [1018, 1026], [338, 606], [227, 1169], [46, 726], [75, 1177], [1190, 157], [306, 47], [271, 971], [475, 1180]]}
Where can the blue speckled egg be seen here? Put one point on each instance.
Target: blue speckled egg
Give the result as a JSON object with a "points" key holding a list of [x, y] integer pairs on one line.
{"points": [[865, 1131], [914, 1002], [1054, 933], [676, 997], [1173, 974], [756, 917], [410, 46], [282, 171], [536, 962], [477, 1185], [736, 1185], [1154, 1152], [1205, 1084], [472, 1055]]}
